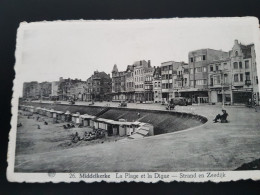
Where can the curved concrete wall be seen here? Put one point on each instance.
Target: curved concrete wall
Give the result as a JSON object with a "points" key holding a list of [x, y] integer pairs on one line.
{"points": [[163, 121]]}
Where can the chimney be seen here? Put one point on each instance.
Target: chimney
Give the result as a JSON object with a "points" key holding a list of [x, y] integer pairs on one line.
{"points": [[140, 62], [61, 78], [236, 42]]}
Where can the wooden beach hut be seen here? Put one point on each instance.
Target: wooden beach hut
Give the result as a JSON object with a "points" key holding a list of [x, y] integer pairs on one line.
{"points": [[67, 116]]}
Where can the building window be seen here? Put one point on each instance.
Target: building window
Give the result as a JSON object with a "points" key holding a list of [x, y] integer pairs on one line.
{"points": [[247, 76], [240, 65], [191, 59], [241, 77], [256, 79], [217, 67], [201, 82], [235, 65], [211, 68], [170, 76], [191, 71], [235, 77], [236, 53], [211, 81], [246, 64], [204, 69], [225, 78], [204, 57], [217, 80], [185, 81], [170, 85], [159, 84], [191, 83], [198, 69]]}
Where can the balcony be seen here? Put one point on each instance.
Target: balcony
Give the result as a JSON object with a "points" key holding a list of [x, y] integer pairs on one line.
{"points": [[247, 82]]}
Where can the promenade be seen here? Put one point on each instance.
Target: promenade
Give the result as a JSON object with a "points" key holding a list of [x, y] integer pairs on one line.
{"points": [[211, 146]]}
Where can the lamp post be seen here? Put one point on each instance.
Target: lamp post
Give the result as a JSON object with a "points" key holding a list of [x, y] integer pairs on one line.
{"points": [[222, 85]]}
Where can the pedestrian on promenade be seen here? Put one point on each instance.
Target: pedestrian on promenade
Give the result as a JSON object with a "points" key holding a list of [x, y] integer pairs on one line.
{"points": [[138, 114], [249, 102], [223, 117]]}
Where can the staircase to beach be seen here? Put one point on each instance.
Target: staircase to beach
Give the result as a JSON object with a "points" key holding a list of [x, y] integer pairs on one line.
{"points": [[102, 111]]}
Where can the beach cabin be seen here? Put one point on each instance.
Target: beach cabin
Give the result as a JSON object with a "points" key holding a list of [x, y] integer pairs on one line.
{"points": [[67, 116], [122, 127], [102, 123], [26, 108], [122, 130], [31, 109], [59, 115], [44, 112], [111, 127], [87, 120], [95, 124], [49, 113], [21, 107], [63, 117], [41, 111], [37, 110], [129, 128], [76, 118], [52, 113]]}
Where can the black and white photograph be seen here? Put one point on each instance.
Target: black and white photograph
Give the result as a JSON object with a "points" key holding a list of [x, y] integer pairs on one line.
{"points": [[136, 100]]}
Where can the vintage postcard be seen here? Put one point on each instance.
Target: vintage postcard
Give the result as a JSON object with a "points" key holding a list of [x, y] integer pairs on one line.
{"points": [[136, 100]]}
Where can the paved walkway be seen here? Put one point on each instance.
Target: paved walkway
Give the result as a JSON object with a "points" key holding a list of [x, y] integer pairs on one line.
{"points": [[212, 146]]}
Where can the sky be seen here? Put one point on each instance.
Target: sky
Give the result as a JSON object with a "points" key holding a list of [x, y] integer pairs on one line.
{"points": [[75, 49]]}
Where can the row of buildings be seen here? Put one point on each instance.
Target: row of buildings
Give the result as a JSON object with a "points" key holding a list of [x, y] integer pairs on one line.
{"points": [[97, 88], [210, 76]]}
